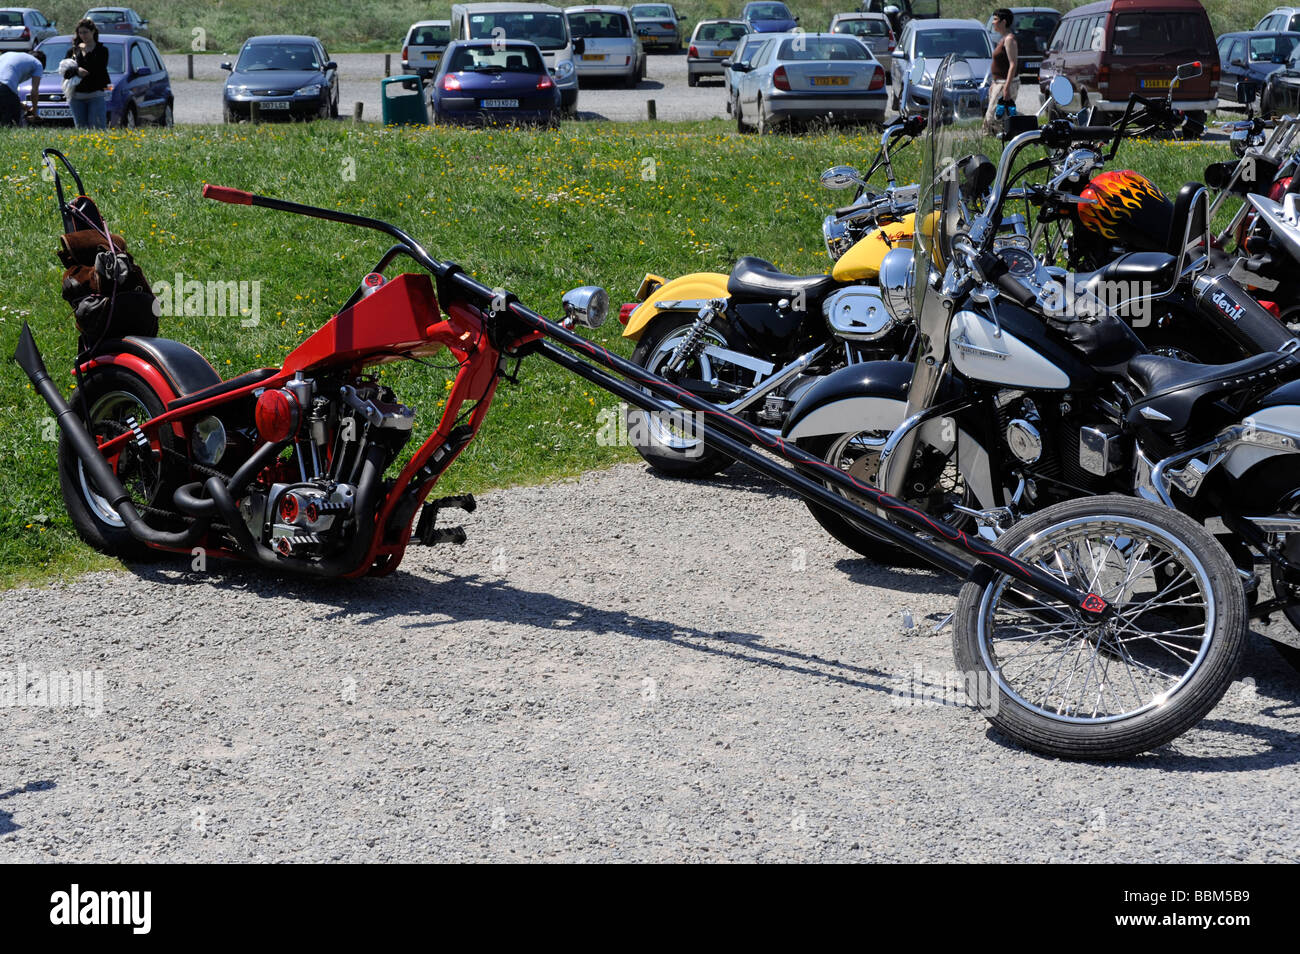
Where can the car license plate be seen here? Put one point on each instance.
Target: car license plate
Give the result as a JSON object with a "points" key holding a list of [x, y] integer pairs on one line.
{"points": [[1155, 84], [593, 56], [722, 52], [432, 56], [273, 104], [55, 112], [500, 104], [830, 81]]}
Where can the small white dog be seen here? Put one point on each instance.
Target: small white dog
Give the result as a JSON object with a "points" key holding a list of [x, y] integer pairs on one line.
{"points": [[69, 82]]}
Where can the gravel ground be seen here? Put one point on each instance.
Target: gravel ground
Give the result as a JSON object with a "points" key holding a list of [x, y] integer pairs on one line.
{"points": [[614, 668]]}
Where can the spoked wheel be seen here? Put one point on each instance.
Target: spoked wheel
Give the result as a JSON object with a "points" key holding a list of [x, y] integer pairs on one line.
{"points": [[117, 399], [1070, 687], [934, 486], [665, 447]]}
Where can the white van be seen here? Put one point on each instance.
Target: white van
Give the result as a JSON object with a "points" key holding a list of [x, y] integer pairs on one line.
{"points": [[537, 22]]}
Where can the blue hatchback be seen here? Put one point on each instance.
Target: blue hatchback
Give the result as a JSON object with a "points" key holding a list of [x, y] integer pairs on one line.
{"points": [[488, 81], [768, 16], [141, 88]]}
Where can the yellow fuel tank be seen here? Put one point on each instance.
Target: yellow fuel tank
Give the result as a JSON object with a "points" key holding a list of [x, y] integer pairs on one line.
{"points": [[862, 261]]}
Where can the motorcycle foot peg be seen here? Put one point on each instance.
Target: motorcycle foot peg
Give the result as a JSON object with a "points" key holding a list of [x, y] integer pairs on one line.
{"points": [[464, 502]]}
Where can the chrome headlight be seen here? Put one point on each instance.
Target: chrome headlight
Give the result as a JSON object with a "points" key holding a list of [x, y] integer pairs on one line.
{"points": [[313, 90], [896, 283], [587, 305], [836, 234], [564, 69]]}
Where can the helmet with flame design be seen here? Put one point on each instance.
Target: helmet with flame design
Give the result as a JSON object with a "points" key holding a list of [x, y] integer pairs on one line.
{"points": [[1128, 210]]}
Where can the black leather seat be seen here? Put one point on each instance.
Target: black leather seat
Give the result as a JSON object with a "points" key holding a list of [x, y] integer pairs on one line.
{"points": [[223, 387], [1173, 388], [1122, 284], [756, 280]]}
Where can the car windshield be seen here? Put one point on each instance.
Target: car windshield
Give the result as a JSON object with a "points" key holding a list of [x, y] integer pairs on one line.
{"points": [[1161, 34], [56, 50], [1035, 24], [720, 32], [936, 44], [599, 25], [769, 11], [10, 18], [513, 58], [649, 10], [862, 27], [822, 48], [1271, 49], [271, 56], [430, 36], [547, 30]]}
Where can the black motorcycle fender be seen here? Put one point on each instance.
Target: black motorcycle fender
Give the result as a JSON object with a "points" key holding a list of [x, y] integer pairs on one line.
{"points": [[883, 381]]}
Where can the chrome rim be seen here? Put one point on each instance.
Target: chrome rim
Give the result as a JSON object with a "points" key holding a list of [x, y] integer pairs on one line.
{"points": [[662, 433], [858, 455], [109, 415], [1043, 655]]}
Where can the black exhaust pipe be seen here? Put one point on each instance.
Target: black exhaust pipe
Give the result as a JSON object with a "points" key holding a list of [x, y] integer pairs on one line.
{"points": [[29, 359]]}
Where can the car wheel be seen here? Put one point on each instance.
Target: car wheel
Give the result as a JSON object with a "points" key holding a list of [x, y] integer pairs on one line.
{"points": [[740, 118], [764, 124], [129, 118], [632, 78], [334, 106], [1265, 105], [692, 79], [168, 117], [897, 102]]}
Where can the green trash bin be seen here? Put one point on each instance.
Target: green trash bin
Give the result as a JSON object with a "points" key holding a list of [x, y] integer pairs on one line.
{"points": [[403, 101]]}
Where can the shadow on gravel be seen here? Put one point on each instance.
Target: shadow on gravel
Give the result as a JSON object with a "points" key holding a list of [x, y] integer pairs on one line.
{"points": [[7, 823]]}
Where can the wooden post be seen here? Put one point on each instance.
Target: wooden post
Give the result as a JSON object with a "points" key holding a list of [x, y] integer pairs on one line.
{"points": [[189, 66], [254, 111], [650, 109], [388, 64], [356, 111]]}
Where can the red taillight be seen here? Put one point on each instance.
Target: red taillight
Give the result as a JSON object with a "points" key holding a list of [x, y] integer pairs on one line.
{"points": [[625, 311], [780, 80], [1103, 77], [1214, 75], [545, 83], [27, 34], [891, 44], [877, 79], [450, 83], [404, 54], [668, 26], [692, 51]]}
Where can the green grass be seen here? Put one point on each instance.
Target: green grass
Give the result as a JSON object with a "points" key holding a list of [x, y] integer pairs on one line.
{"points": [[535, 213], [371, 25]]}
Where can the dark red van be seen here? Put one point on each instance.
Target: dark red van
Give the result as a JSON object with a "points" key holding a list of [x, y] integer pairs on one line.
{"points": [[1116, 47]]}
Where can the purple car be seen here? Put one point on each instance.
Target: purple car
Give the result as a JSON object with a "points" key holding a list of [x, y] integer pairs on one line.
{"points": [[488, 81], [140, 88]]}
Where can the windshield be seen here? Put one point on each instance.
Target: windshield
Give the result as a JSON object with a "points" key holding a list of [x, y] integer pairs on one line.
{"points": [[720, 32], [1271, 49], [599, 25], [862, 27], [10, 18], [936, 44], [56, 50], [513, 58], [648, 11], [1035, 24], [106, 16], [266, 56], [547, 30], [430, 36], [1161, 34], [822, 48], [768, 11]]}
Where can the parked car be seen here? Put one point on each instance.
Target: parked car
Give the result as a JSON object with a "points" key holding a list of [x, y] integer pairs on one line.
{"points": [[141, 87], [747, 47], [1034, 28], [1251, 57], [488, 81], [769, 16], [1113, 48], [659, 25], [289, 77], [801, 76], [423, 47], [118, 20], [1281, 92], [711, 44], [872, 29], [611, 48], [900, 12], [933, 40], [539, 24], [22, 29], [1280, 20]]}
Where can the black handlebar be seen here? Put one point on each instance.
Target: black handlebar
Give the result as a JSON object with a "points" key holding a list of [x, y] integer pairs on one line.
{"points": [[996, 270]]}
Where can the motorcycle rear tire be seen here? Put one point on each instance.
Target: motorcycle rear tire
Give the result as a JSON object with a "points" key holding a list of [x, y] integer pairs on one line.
{"points": [[111, 395], [1071, 731], [692, 462]]}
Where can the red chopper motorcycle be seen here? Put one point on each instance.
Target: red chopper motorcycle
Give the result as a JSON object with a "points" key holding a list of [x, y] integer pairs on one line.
{"points": [[285, 467]]}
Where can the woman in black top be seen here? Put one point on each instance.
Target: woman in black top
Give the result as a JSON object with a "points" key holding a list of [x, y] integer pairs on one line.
{"points": [[1005, 82], [90, 100]]}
